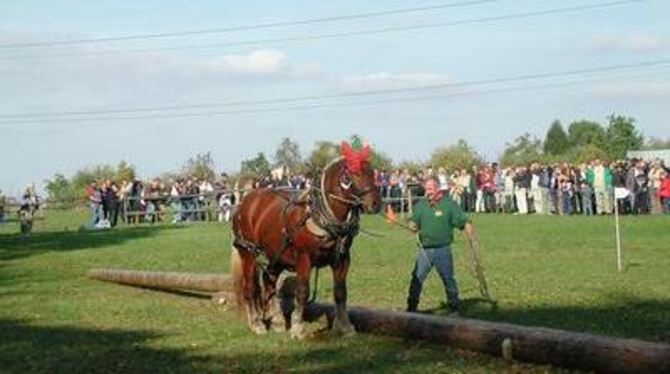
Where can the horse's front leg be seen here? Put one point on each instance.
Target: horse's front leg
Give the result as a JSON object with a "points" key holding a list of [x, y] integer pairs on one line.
{"points": [[341, 323], [251, 293], [303, 269]]}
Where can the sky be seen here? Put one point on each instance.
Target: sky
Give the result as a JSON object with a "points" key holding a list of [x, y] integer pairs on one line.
{"points": [[407, 81]]}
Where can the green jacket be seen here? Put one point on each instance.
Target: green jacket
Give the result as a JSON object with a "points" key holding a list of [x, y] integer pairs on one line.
{"points": [[590, 177], [437, 223]]}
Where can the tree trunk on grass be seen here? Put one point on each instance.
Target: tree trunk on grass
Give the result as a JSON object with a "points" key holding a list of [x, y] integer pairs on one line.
{"points": [[166, 280], [530, 344]]}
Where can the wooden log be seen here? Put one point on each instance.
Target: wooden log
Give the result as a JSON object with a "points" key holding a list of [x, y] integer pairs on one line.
{"points": [[523, 343], [166, 280], [530, 344]]}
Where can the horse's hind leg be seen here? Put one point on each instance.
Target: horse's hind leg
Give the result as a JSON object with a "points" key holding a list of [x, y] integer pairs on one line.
{"points": [[252, 294], [272, 309], [303, 269]]}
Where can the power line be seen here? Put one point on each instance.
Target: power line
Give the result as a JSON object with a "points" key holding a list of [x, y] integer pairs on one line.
{"points": [[247, 27], [331, 105], [341, 34], [42, 117]]}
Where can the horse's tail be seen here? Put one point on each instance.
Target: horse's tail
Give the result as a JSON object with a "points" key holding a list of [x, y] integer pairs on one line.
{"points": [[237, 273]]}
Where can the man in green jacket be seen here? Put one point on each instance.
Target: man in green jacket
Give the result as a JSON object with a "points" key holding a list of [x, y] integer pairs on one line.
{"points": [[434, 218], [599, 176]]}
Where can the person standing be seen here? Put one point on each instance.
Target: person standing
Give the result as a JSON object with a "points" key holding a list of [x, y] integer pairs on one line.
{"points": [[112, 197], [434, 219], [664, 191], [587, 196], [535, 191], [655, 179], [478, 176], [94, 203], [3, 202], [522, 184], [642, 203], [499, 182], [510, 207], [600, 177]]}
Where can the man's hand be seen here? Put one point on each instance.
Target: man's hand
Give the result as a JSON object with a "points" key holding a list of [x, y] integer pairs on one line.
{"points": [[413, 226]]}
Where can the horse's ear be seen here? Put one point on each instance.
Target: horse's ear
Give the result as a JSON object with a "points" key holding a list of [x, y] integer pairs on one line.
{"points": [[365, 153]]}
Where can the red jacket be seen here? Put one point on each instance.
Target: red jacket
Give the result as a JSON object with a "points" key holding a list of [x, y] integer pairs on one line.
{"points": [[664, 191]]}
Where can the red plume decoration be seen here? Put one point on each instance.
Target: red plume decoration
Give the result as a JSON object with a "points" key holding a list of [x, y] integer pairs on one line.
{"points": [[355, 159]]}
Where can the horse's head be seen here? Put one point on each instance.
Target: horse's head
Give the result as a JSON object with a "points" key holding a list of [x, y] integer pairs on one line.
{"points": [[357, 178]]}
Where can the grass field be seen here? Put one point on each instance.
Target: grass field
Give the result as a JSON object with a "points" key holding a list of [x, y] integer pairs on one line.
{"points": [[544, 271]]}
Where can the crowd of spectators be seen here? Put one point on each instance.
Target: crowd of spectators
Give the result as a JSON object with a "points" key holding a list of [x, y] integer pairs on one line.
{"points": [[631, 186], [180, 200], [635, 186], [136, 201]]}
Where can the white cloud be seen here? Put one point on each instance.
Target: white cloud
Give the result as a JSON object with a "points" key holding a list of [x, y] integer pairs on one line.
{"points": [[260, 62], [392, 80], [639, 42]]}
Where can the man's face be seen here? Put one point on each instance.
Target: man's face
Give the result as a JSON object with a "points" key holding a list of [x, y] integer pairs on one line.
{"points": [[431, 188]]}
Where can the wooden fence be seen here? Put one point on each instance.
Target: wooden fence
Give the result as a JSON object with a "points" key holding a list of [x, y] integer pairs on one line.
{"points": [[204, 207], [191, 207]]}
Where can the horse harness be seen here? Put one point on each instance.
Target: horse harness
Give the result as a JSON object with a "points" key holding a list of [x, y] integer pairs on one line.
{"points": [[318, 221]]}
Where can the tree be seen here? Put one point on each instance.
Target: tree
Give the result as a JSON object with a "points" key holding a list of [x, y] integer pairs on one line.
{"points": [[124, 172], [59, 190], [324, 151], [411, 166], [455, 156], [378, 160], [288, 155], [200, 167], [587, 153], [86, 176], [622, 136], [556, 142], [584, 132], [522, 151], [657, 143], [257, 166]]}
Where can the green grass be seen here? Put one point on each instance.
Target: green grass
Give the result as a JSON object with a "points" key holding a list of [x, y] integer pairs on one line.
{"points": [[544, 271]]}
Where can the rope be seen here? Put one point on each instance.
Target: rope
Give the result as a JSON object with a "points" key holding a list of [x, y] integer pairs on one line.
{"points": [[315, 288], [371, 233]]}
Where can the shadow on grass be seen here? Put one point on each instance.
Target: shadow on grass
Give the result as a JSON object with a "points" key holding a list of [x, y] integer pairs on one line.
{"points": [[625, 316], [26, 348], [14, 246]]}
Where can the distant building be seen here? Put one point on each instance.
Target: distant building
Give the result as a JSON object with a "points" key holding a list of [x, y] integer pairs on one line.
{"points": [[662, 154]]}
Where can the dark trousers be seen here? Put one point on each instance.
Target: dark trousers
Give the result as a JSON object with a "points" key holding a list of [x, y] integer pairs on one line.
{"points": [[113, 212], [442, 260]]}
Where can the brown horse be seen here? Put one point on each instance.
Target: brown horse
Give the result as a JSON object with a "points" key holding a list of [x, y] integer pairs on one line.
{"points": [[276, 230]]}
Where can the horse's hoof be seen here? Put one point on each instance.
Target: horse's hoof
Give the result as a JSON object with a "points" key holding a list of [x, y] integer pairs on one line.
{"points": [[278, 327], [259, 330], [298, 332], [344, 330]]}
